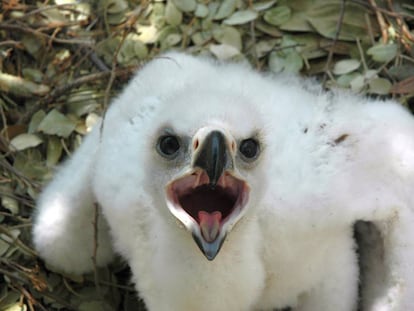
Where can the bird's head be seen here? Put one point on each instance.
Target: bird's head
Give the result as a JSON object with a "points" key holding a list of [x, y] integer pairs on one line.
{"points": [[210, 196], [192, 145], [207, 164]]}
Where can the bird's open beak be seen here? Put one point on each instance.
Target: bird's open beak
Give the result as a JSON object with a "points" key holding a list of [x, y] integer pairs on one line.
{"points": [[209, 199]]}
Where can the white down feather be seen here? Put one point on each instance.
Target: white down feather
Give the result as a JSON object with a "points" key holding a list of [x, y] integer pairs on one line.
{"points": [[328, 160]]}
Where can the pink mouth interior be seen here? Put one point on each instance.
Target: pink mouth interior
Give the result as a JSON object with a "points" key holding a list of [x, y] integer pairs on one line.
{"points": [[209, 207], [204, 198]]}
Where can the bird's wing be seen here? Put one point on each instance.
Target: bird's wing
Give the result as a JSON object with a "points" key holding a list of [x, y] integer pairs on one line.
{"points": [[380, 183], [68, 224], [340, 159]]}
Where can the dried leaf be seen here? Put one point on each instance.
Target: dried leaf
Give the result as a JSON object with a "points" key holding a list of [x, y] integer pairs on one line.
{"points": [[21, 87], [91, 120], [147, 34], [404, 87], [17, 307]]}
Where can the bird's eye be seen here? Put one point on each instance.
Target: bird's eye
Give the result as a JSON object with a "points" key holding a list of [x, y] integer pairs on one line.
{"points": [[168, 146], [249, 148]]}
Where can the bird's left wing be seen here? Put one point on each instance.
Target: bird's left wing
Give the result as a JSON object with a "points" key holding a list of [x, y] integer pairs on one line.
{"points": [[338, 160]]}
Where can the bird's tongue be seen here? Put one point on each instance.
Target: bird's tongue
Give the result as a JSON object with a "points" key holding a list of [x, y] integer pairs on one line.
{"points": [[209, 224]]}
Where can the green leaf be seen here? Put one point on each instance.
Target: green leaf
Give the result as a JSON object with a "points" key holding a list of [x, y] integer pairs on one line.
{"points": [[383, 53], [264, 47], [241, 17], [24, 141], [263, 5], [173, 16], [346, 66], [115, 6], [132, 51], [379, 86], [287, 59], [185, 5], [32, 74], [8, 299], [8, 201], [345, 80], [201, 10], [324, 16], [291, 62], [54, 151], [226, 8], [224, 51], [12, 235], [228, 35], [278, 16], [35, 121], [55, 123], [11, 204], [95, 306]]}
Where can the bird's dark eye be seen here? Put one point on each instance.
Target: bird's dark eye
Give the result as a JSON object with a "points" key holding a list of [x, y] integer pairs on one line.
{"points": [[168, 145], [249, 148]]}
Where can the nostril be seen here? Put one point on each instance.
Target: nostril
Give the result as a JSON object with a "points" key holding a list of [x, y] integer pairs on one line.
{"points": [[195, 145]]}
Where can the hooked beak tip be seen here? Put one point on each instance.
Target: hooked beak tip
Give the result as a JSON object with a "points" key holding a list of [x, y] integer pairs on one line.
{"points": [[209, 249]]}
